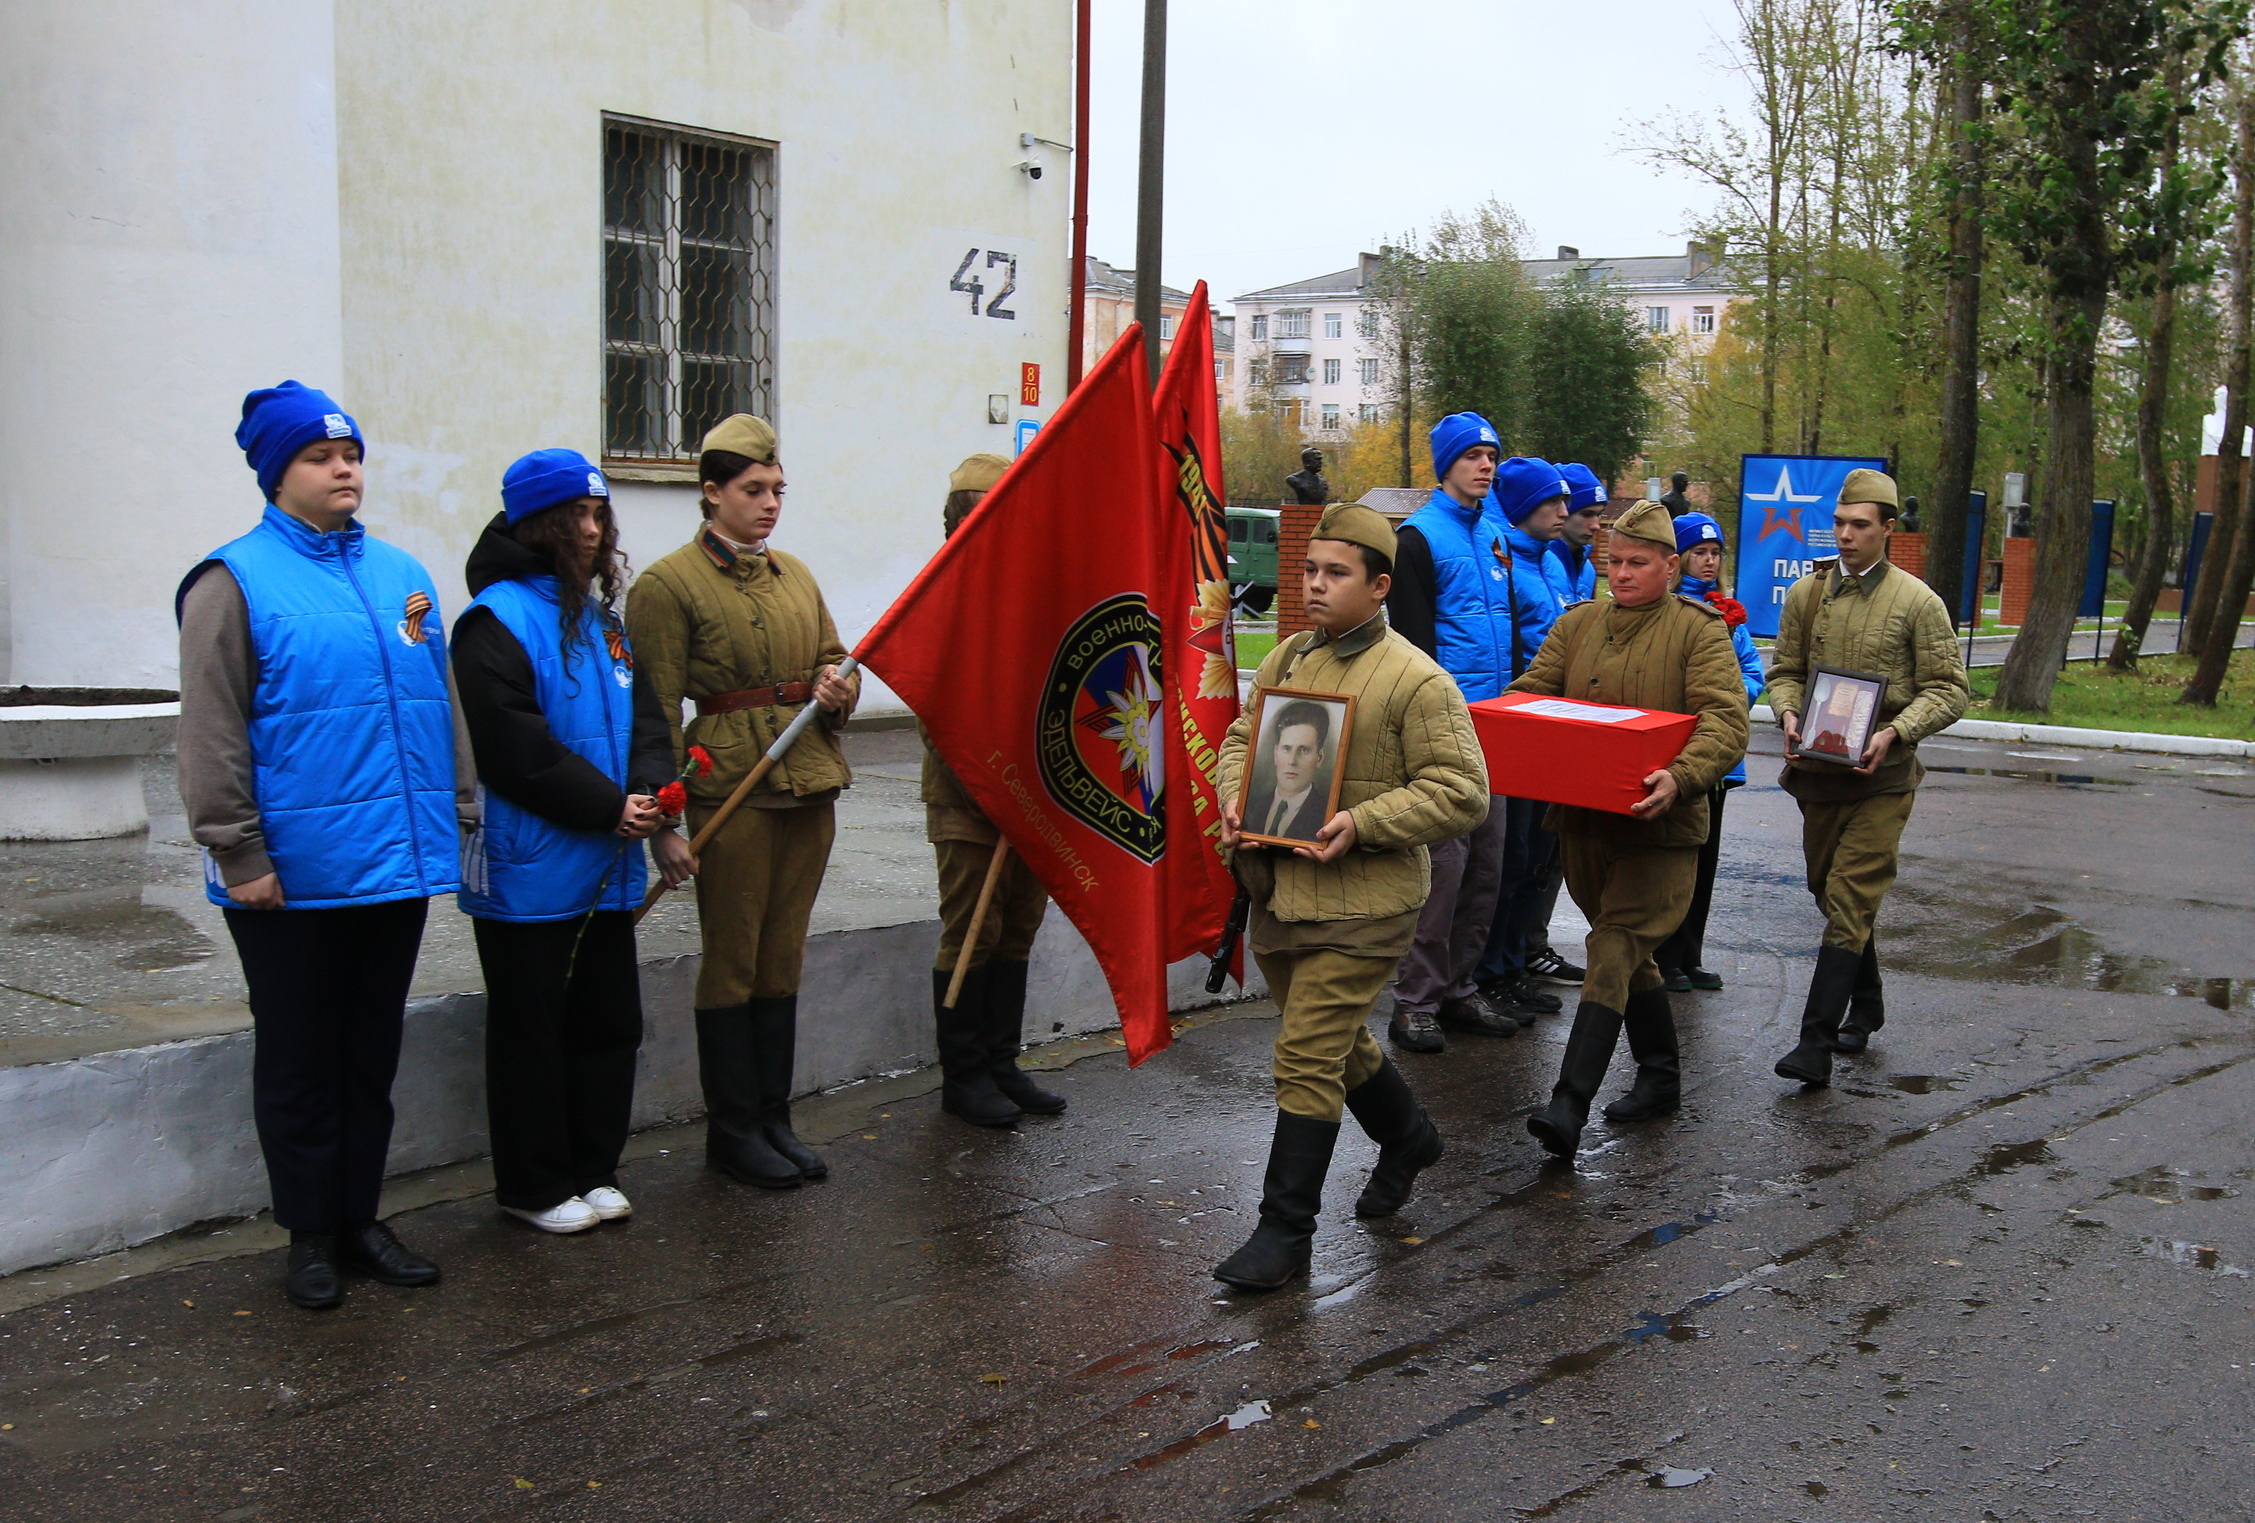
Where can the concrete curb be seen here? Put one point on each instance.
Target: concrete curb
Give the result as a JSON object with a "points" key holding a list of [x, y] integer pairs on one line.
{"points": [[2073, 735]]}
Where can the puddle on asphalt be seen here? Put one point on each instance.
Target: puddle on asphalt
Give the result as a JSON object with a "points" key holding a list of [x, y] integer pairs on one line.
{"points": [[1673, 1476], [2037, 945], [2170, 1186], [1924, 1084], [2171, 1250], [2057, 779]]}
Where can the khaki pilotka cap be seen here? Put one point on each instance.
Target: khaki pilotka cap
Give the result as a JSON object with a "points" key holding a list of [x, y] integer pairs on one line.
{"points": [[753, 438], [978, 473], [1647, 521], [1353, 524], [1867, 485]]}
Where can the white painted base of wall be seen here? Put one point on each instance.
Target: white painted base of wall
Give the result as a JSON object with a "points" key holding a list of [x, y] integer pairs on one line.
{"points": [[106, 1151], [71, 798]]}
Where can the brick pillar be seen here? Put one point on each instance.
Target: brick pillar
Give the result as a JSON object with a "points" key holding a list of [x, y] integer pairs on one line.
{"points": [[1908, 552], [1295, 523], [2019, 582], [1597, 555]]}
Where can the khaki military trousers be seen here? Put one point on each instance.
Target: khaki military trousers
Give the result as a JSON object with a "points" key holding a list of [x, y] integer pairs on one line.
{"points": [[1013, 916], [1851, 848], [756, 882], [1634, 898], [1324, 1047]]}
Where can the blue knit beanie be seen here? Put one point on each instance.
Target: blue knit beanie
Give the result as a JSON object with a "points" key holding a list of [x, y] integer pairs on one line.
{"points": [[547, 477], [1585, 489], [1455, 434], [281, 420], [1697, 528], [1524, 484]]}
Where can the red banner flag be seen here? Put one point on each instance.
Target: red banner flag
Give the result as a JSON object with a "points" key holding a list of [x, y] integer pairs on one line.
{"points": [[1031, 647], [1201, 643]]}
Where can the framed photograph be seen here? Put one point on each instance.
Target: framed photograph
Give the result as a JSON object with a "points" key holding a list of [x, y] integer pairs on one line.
{"points": [[1836, 721], [1291, 786]]}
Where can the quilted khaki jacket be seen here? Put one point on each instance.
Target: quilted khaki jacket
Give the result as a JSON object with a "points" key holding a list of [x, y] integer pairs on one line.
{"points": [[1674, 655], [950, 813], [1887, 623], [705, 620], [1412, 774]]}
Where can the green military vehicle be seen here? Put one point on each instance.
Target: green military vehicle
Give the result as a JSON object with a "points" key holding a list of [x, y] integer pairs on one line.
{"points": [[1252, 559]]}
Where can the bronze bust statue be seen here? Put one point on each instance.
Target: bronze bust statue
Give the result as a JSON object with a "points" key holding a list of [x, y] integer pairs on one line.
{"points": [[1307, 483]]}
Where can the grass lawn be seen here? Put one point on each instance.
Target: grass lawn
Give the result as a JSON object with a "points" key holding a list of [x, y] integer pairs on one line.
{"points": [[2146, 699], [1253, 649]]}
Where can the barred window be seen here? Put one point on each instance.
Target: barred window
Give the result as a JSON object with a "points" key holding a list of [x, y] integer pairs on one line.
{"points": [[688, 287]]}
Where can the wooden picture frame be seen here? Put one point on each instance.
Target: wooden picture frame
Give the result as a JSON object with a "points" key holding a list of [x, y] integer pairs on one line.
{"points": [[1317, 776], [1837, 720]]}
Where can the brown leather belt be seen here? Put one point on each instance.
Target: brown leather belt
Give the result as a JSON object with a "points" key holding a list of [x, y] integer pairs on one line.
{"points": [[755, 698]]}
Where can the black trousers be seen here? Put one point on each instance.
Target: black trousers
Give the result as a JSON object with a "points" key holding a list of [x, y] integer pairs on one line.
{"points": [[1688, 946], [1528, 850], [561, 1033], [328, 990]]}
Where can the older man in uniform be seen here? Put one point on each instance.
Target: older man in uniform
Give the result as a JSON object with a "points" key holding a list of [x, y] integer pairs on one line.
{"points": [[979, 1039], [1632, 874], [1330, 921], [1860, 614]]}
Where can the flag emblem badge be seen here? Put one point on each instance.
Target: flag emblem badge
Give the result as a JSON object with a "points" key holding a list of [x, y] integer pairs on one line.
{"points": [[1100, 734]]}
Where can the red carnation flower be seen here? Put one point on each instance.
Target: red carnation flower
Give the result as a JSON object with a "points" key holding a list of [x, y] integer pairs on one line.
{"points": [[1734, 612], [700, 762], [673, 798]]}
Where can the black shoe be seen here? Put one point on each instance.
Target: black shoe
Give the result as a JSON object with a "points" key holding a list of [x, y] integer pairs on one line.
{"points": [[775, 1032], [1589, 1050], [967, 1089], [728, 1067], [1415, 1031], [1281, 1247], [1474, 1015], [1658, 1090], [1830, 987], [1408, 1142], [1675, 981], [1529, 995], [1704, 978], [1006, 1034], [1545, 963], [373, 1249], [1496, 996], [1867, 1006], [312, 1280]]}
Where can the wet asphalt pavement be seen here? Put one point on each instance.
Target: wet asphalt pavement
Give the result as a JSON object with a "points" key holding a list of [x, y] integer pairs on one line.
{"points": [[1999, 1271]]}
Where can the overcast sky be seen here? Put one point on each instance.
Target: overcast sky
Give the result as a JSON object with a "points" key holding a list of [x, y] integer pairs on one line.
{"points": [[1300, 132]]}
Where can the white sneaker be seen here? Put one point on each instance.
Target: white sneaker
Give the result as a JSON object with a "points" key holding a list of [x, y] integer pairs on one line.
{"points": [[574, 1215], [610, 1203]]}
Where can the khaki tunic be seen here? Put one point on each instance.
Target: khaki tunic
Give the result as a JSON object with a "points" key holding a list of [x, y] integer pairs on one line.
{"points": [[964, 840], [1633, 878]]}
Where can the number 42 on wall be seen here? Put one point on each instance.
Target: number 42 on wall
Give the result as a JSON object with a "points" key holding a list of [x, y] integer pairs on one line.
{"points": [[966, 279]]}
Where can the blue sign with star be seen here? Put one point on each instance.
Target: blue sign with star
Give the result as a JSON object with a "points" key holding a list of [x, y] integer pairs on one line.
{"points": [[1785, 507]]}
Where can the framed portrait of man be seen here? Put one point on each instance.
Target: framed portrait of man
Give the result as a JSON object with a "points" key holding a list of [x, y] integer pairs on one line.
{"points": [[1836, 725], [1291, 786]]}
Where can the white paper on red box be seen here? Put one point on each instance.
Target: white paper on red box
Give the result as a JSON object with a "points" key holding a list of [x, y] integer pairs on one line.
{"points": [[1559, 708]]}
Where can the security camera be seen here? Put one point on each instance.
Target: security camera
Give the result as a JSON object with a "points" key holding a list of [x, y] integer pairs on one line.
{"points": [[1029, 169]]}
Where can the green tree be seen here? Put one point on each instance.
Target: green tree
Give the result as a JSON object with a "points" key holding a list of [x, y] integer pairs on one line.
{"points": [[1591, 399]]}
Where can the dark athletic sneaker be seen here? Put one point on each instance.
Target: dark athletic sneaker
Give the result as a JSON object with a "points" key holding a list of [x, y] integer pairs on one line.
{"points": [[1547, 964]]}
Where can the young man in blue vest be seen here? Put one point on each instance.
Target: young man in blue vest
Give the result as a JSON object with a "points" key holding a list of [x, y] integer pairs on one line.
{"points": [[1451, 598], [317, 766]]}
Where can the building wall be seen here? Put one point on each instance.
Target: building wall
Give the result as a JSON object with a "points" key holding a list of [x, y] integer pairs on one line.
{"points": [[1350, 348]]}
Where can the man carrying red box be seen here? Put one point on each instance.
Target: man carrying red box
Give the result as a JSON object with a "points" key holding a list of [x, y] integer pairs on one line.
{"points": [[1632, 874]]}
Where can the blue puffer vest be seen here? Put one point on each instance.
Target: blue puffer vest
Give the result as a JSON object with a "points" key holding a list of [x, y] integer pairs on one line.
{"points": [[517, 865], [1471, 601], [351, 731], [1577, 570], [1537, 588]]}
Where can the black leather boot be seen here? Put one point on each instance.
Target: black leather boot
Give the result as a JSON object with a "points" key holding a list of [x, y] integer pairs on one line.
{"points": [[1658, 1090], [312, 1280], [374, 1250], [1006, 1034], [1867, 1006], [775, 1032], [1408, 1142], [1589, 1049], [1830, 987], [728, 1069], [967, 1089], [1280, 1248]]}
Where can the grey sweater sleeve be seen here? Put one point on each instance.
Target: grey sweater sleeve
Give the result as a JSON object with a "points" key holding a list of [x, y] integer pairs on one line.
{"points": [[218, 675]]}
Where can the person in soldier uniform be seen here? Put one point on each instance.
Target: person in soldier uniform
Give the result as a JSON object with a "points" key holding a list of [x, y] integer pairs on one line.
{"points": [[739, 628], [1632, 874], [1330, 921], [979, 1039], [1858, 613]]}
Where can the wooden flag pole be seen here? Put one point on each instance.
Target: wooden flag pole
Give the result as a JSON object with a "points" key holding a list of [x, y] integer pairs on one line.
{"points": [[743, 790], [978, 922]]}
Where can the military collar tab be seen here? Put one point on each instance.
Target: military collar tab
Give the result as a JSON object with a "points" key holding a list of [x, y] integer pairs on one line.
{"points": [[1356, 640], [726, 557]]}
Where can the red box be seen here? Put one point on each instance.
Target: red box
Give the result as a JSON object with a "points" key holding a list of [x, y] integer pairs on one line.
{"points": [[1599, 762]]}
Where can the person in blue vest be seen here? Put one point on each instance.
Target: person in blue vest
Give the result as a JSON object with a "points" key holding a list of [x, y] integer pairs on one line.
{"points": [[1699, 539], [1451, 599], [571, 750], [316, 757], [1530, 505]]}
